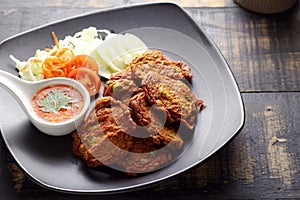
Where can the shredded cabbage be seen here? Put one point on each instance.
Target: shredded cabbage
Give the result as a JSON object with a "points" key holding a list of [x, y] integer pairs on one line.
{"points": [[85, 41]]}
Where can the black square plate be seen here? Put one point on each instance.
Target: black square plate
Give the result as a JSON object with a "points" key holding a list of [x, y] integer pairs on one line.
{"points": [[163, 26]]}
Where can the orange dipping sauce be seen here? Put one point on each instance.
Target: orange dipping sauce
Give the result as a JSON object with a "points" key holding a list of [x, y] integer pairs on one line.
{"points": [[57, 103]]}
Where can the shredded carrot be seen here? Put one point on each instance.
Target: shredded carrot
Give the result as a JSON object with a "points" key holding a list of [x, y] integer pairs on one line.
{"points": [[55, 40], [61, 51], [55, 65], [24, 68], [47, 49]]}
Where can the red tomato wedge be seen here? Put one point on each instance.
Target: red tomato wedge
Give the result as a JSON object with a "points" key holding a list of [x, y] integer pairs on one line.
{"points": [[82, 61], [88, 78]]}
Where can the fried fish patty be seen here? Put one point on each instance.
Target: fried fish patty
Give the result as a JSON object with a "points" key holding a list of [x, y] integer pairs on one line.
{"points": [[144, 113], [145, 157], [104, 138], [173, 96], [121, 89], [153, 121], [152, 61], [135, 125]]}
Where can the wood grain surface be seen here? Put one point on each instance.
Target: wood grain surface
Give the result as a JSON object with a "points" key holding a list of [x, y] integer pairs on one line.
{"points": [[263, 52]]}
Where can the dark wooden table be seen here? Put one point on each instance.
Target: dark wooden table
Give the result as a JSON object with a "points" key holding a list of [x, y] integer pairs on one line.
{"points": [[263, 51]]}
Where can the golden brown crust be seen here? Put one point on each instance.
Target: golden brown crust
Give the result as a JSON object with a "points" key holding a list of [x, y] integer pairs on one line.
{"points": [[173, 97]]}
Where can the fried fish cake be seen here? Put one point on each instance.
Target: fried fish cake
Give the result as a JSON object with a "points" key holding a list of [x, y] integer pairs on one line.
{"points": [[145, 157], [121, 89], [121, 85], [145, 114], [152, 61], [135, 125], [173, 96], [104, 138], [153, 121]]}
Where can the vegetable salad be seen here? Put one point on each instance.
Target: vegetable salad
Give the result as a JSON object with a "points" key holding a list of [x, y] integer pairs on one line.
{"points": [[97, 51]]}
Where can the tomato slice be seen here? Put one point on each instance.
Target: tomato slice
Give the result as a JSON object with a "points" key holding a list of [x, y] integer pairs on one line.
{"points": [[82, 61], [88, 78]]}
